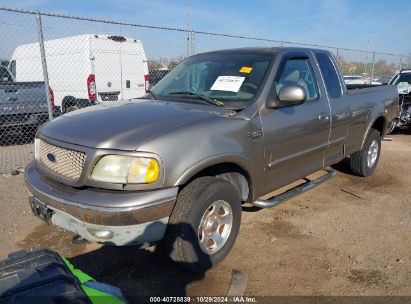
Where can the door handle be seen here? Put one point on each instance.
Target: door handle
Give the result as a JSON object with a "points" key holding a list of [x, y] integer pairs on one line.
{"points": [[324, 117]]}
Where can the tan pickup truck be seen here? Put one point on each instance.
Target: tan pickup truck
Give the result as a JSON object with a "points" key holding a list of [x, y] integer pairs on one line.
{"points": [[222, 129]]}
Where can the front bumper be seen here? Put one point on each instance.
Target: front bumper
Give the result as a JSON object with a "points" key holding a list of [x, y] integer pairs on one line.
{"points": [[138, 217]]}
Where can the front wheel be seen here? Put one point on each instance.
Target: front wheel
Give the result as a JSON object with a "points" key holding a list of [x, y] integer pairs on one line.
{"points": [[204, 224], [364, 162]]}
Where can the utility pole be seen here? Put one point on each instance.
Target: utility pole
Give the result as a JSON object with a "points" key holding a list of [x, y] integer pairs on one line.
{"points": [[366, 59], [373, 67], [188, 28], [193, 43]]}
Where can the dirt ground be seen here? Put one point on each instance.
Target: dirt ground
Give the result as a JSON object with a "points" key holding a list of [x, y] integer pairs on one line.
{"points": [[349, 236]]}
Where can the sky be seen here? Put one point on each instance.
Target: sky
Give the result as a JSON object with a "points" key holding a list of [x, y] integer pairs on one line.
{"points": [[344, 23]]}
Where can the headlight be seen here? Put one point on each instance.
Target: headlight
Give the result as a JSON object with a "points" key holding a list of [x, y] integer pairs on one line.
{"points": [[126, 170]]}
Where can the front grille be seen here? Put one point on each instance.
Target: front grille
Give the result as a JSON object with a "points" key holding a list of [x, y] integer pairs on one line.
{"points": [[65, 162]]}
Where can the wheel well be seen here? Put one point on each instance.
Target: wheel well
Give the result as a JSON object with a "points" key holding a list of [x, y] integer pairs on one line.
{"points": [[67, 102], [379, 125], [233, 174]]}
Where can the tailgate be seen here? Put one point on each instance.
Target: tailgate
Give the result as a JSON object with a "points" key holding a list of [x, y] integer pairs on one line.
{"points": [[22, 102]]}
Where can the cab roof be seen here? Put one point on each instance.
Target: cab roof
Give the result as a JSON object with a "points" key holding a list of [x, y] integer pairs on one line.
{"points": [[270, 50]]}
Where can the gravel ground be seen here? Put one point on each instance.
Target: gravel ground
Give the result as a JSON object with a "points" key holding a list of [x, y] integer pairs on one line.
{"points": [[349, 236], [15, 157]]}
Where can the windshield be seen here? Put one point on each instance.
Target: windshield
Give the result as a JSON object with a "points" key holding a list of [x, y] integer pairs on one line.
{"points": [[401, 78], [231, 78], [5, 75]]}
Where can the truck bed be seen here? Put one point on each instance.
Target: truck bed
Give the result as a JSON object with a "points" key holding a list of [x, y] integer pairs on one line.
{"points": [[362, 86], [354, 89], [18, 98]]}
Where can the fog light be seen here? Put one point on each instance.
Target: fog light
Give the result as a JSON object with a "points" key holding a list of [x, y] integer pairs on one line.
{"points": [[101, 234]]}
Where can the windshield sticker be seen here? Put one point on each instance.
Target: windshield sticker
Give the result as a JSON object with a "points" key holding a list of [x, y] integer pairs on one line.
{"points": [[246, 70], [228, 83]]}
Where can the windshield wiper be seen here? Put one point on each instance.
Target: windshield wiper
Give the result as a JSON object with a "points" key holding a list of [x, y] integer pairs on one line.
{"points": [[203, 97], [152, 94]]}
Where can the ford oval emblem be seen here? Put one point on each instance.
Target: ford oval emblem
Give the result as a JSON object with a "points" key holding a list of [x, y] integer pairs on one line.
{"points": [[51, 157]]}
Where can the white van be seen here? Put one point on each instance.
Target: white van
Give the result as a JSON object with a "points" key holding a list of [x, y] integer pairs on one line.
{"points": [[86, 69]]}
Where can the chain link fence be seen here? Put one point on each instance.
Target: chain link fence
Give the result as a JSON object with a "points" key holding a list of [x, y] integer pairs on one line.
{"points": [[51, 64]]}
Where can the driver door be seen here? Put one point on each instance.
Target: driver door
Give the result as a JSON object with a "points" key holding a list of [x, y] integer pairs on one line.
{"points": [[296, 137]]}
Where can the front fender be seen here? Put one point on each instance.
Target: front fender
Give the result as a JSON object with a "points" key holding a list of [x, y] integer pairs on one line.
{"points": [[187, 150], [238, 160]]}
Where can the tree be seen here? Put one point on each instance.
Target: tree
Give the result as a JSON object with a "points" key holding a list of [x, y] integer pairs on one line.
{"points": [[172, 65], [154, 65], [381, 67]]}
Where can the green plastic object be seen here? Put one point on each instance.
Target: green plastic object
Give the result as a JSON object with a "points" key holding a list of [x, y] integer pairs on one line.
{"points": [[96, 296]]}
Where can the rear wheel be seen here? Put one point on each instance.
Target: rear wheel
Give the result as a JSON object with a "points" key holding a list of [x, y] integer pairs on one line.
{"points": [[204, 224], [71, 108], [70, 104], [364, 162]]}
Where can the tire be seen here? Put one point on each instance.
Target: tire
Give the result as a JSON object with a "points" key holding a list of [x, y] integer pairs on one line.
{"points": [[70, 104], [198, 203], [71, 108], [360, 163]]}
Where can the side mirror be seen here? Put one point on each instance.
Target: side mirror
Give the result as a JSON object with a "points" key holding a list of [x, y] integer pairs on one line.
{"points": [[289, 95]]}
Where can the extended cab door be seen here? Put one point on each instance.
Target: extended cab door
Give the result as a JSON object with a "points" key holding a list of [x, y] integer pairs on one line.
{"points": [[344, 113], [296, 137]]}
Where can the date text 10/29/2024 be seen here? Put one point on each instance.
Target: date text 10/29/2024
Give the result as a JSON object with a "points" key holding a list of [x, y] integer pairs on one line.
{"points": [[205, 299]]}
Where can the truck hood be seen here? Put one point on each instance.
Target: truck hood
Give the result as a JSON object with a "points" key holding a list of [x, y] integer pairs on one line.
{"points": [[125, 125]]}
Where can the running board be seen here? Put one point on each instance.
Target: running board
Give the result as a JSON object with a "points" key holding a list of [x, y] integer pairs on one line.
{"points": [[293, 192]]}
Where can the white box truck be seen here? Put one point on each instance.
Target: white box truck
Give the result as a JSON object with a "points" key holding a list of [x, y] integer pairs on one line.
{"points": [[86, 69]]}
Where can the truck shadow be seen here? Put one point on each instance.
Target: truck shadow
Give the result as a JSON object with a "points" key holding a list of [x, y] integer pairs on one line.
{"points": [[343, 166], [401, 131], [141, 273]]}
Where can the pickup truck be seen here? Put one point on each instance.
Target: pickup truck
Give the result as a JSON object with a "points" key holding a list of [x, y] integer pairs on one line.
{"points": [[222, 129], [23, 107], [402, 81]]}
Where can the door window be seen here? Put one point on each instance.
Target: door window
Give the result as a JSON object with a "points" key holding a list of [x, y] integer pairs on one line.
{"points": [[298, 71]]}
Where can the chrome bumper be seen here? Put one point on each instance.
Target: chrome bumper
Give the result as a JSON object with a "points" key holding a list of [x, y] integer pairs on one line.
{"points": [[84, 210]]}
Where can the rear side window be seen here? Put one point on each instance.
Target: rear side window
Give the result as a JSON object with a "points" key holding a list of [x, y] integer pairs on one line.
{"points": [[332, 82]]}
